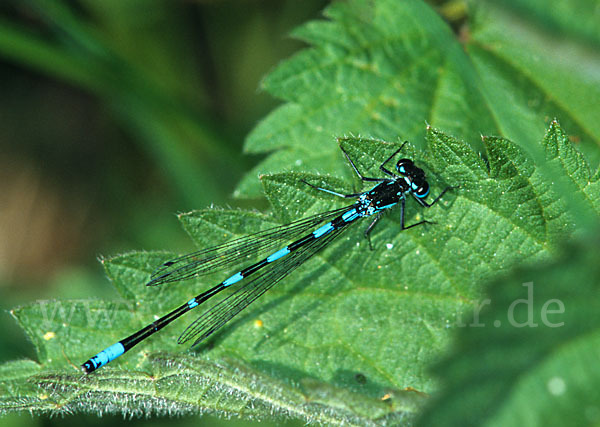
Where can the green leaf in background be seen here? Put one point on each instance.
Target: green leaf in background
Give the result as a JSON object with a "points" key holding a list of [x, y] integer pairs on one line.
{"points": [[386, 67], [348, 337], [531, 75], [529, 357]]}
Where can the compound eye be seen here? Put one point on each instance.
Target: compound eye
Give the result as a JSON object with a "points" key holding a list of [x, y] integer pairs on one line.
{"points": [[404, 166], [422, 191]]}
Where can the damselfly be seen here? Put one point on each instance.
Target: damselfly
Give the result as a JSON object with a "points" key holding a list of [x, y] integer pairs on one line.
{"points": [[262, 275]]}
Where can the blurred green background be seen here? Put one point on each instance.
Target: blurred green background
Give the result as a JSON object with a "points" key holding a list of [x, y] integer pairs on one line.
{"points": [[114, 116]]}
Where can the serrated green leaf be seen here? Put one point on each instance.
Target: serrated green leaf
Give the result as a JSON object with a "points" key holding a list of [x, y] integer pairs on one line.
{"points": [[381, 67], [572, 165], [227, 388], [532, 74], [386, 67], [529, 357], [381, 314]]}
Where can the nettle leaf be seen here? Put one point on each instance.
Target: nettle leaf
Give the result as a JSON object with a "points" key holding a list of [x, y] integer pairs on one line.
{"points": [[347, 338], [387, 67], [528, 354], [531, 71], [352, 325]]}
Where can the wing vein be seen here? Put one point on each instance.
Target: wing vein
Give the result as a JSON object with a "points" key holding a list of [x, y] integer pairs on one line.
{"points": [[235, 251], [212, 319]]}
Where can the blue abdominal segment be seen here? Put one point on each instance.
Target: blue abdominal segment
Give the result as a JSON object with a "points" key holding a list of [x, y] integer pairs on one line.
{"points": [[322, 230], [233, 279], [279, 254], [105, 356]]}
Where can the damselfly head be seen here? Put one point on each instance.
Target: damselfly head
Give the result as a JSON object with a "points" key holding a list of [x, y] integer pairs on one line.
{"points": [[414, 177], [405, 166], [422, 190]]}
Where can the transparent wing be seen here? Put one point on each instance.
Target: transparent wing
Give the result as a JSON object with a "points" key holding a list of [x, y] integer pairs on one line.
{"points": [[225, 310], [221, 257]]}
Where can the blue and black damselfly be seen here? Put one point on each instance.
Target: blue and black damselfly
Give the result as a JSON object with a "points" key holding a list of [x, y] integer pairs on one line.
{"points": [[262, 275]]}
